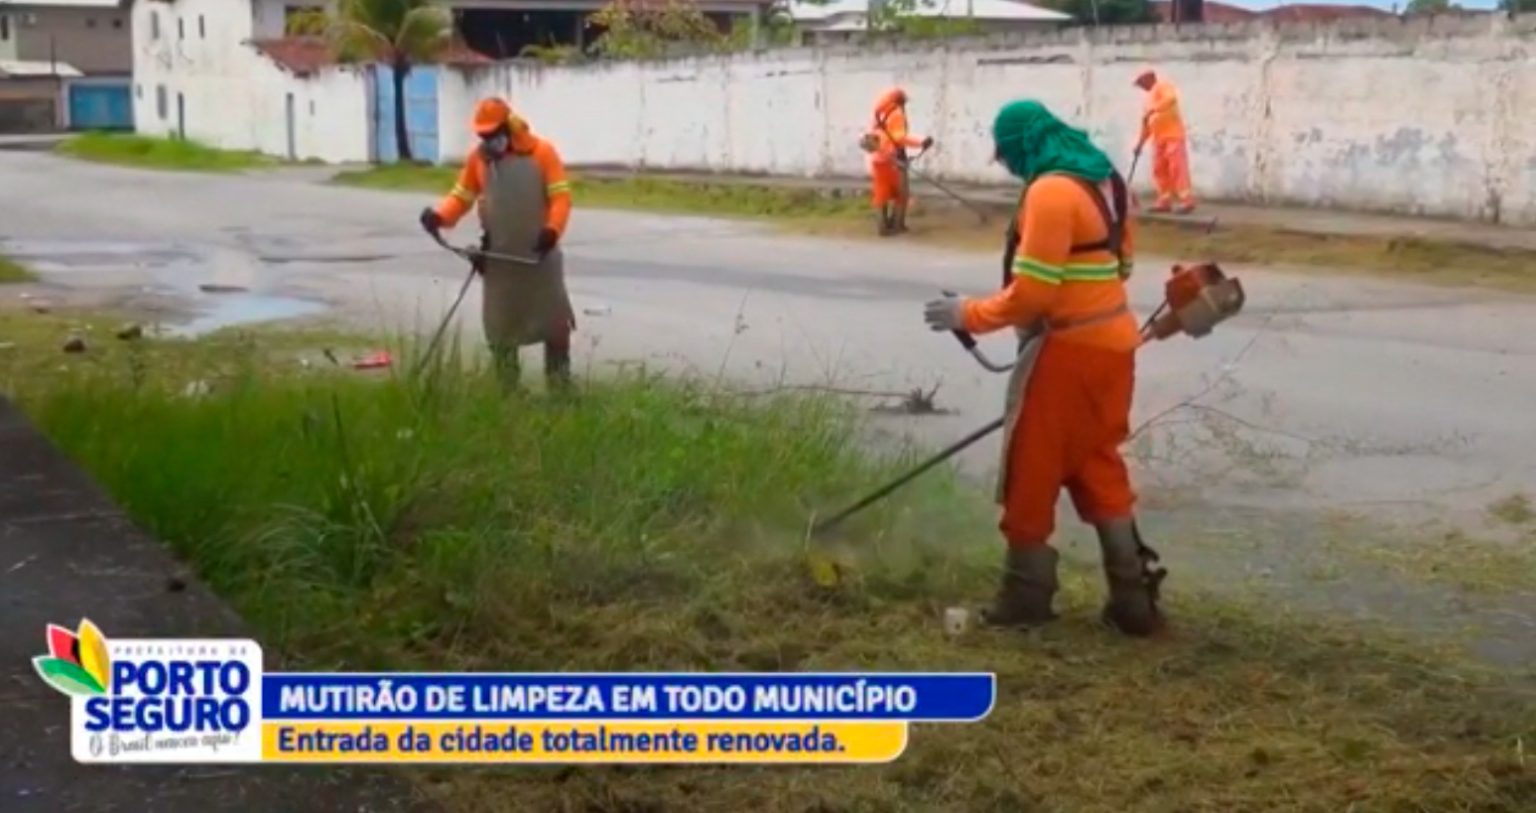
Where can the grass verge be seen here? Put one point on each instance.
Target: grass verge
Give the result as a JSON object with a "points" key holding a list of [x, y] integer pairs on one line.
{"points": [[159, 153], [12, 271], [942, 223], [378, 522]]}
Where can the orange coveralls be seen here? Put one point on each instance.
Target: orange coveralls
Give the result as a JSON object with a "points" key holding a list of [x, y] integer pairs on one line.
{"points": [[887, 173], [1163, 125], [1077, 401]]}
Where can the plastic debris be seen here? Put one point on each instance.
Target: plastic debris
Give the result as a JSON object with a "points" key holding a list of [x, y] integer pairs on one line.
{"points": [[373, 361]]}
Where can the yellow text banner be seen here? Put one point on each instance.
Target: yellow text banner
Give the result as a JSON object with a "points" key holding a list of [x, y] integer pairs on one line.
{"points": [[490, 741]]}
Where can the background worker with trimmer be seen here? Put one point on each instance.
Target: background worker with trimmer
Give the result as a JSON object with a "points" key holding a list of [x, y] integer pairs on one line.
{"points": [[1069, 399], [887, 142], [524, 201], [1162, 123]]}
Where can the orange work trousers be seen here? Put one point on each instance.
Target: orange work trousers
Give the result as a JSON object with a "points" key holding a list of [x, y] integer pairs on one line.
{"points": [[885, 184], [1170, 171], [1076, 413]]}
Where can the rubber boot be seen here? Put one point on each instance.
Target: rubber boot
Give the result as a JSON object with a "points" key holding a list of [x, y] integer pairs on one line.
{"points": [[899, 219], [1133, 582], [1028, 586], [508, 366], [557, 366], [886, 221]]}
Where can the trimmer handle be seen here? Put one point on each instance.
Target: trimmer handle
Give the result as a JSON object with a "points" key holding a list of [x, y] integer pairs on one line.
{"points": [[966, 340]]}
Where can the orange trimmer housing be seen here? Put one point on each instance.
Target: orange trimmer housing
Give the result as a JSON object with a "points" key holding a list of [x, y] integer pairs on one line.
{"points": [[1196, 298]]}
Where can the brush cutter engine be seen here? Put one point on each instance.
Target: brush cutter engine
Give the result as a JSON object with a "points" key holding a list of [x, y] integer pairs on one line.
{"points": [[1197, 298]]}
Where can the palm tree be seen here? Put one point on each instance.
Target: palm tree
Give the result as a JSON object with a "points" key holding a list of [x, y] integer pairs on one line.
{"points": [[401, 33]]}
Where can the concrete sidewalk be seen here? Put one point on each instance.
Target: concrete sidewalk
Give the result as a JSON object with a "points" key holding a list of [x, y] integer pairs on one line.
{"points": [[1279, 218], [67, 552]]}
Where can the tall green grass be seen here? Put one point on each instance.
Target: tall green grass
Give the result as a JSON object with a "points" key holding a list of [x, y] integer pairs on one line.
{"points": [[159, 153], [12, 271], [448, 509], [396, 522]]}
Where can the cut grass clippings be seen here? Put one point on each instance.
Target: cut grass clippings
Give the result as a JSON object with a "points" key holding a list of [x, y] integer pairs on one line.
{"points": [[12, 271], [159, 153], [375, 522], [934, 220]]}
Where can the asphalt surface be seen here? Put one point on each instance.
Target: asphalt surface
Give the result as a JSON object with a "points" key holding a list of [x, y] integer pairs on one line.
{"points": [[66, 553], [1329, 397]]}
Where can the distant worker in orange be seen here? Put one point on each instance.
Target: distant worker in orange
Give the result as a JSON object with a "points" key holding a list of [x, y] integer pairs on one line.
{"points": [[1069, 398], [1163, 125], [887, 142], [524, 200]]}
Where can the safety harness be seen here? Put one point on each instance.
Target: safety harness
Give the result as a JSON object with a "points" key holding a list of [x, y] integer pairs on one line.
{"points": [[1114, 222]]}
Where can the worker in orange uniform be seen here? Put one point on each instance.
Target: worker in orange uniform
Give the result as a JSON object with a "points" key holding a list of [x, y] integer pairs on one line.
{"points": [[889, 161], [1163, 125], [1069, 400], [524, 202]]}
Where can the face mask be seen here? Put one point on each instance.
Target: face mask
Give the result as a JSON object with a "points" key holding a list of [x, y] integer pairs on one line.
{"points": [[494, 146]]}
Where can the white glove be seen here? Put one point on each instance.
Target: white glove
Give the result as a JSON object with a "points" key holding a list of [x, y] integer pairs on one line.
{"points": [[945, 314]]}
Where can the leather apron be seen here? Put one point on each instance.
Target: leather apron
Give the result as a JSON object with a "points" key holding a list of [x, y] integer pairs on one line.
{"points": [[521, 304]]}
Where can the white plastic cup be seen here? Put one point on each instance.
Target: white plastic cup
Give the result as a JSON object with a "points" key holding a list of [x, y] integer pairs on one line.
{"points": [[956, 621]]}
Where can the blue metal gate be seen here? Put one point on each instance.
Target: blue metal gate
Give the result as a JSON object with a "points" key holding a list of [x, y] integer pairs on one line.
{"points": [[100, 107], [420, 113]]}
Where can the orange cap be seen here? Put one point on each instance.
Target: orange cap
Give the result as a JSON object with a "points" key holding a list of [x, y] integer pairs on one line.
{"points": [[894, 97], [490, 114], [1145, 73]]}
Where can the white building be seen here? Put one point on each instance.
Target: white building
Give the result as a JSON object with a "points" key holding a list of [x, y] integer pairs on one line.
{"points": [[838, 21]]}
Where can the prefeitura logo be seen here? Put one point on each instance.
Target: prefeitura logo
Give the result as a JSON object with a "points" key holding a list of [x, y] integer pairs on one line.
{"points": [[168, 700]]}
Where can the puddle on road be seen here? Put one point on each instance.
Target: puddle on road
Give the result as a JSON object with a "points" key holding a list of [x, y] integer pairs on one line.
{"points": [[160, 270], [230, 310]]}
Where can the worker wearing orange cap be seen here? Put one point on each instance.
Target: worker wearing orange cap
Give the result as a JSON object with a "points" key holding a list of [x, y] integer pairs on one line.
{"points": [[1163, 125], [887, 142], [524, 202]]}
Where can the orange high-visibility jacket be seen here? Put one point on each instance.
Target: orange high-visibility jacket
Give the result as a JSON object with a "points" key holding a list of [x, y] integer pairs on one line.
{"points": [[890, 122], [1163, 120], [471, 183], [1053, 281]]}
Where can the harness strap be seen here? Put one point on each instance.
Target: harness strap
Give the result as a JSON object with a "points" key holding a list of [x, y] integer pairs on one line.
{"points": [[1114, 223]]}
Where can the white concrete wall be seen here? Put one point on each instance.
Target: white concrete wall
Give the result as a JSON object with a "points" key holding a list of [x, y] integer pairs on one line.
{"points": [[235, 97], [1430, 116]]}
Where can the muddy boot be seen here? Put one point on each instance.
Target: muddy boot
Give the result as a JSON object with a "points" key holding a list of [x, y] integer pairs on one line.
{"points": [[1028, 585], [1133, 581], [885, 221]]}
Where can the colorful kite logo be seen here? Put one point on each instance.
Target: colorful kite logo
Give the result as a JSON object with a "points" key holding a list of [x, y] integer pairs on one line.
{"points": [[77, 664]]}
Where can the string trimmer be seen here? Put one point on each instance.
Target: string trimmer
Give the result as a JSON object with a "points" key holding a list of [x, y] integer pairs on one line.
{"points": [[473, 255], [1196, 299]]}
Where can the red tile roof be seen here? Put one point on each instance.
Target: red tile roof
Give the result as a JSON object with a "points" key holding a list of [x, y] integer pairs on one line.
{"points": [[1293, 12], [305, 55]]}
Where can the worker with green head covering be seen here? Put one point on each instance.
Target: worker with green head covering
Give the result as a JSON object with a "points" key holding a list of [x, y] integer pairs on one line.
{"points": [[1069, 400]]}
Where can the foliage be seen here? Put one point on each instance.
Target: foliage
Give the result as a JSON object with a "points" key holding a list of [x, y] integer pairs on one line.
{"points": [[399, 32], [551, 54], [901, 18], [1518, 6], [638, 29], [12, 271], [158, 153], [1429, 6], [1106, 12]]}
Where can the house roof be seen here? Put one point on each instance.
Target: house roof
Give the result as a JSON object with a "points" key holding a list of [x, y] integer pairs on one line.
{"points": [[1290, 12], [831, 13], [304, 55], [1321, 12], [34, 68]]}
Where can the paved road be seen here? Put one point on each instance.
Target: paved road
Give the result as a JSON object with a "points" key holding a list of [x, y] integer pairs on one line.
{"points": [[1344, 395]]}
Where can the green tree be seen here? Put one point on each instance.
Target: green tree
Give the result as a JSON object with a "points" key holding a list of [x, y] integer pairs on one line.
{"points": [[1106, 12], [1518, 6], [901, 17], [641, 29], [399, 33], [1428, 6]]}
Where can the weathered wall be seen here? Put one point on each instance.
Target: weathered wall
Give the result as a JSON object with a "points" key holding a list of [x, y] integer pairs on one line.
{"points": [[1429, 116], [95, 40], [235, 98]]}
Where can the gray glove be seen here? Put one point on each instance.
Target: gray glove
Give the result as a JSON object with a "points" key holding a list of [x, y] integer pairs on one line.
{"points": [[945, 314]]}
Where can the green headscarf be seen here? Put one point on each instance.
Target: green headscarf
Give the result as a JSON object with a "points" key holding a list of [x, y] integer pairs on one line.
{"points": [[1031, 142]]}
